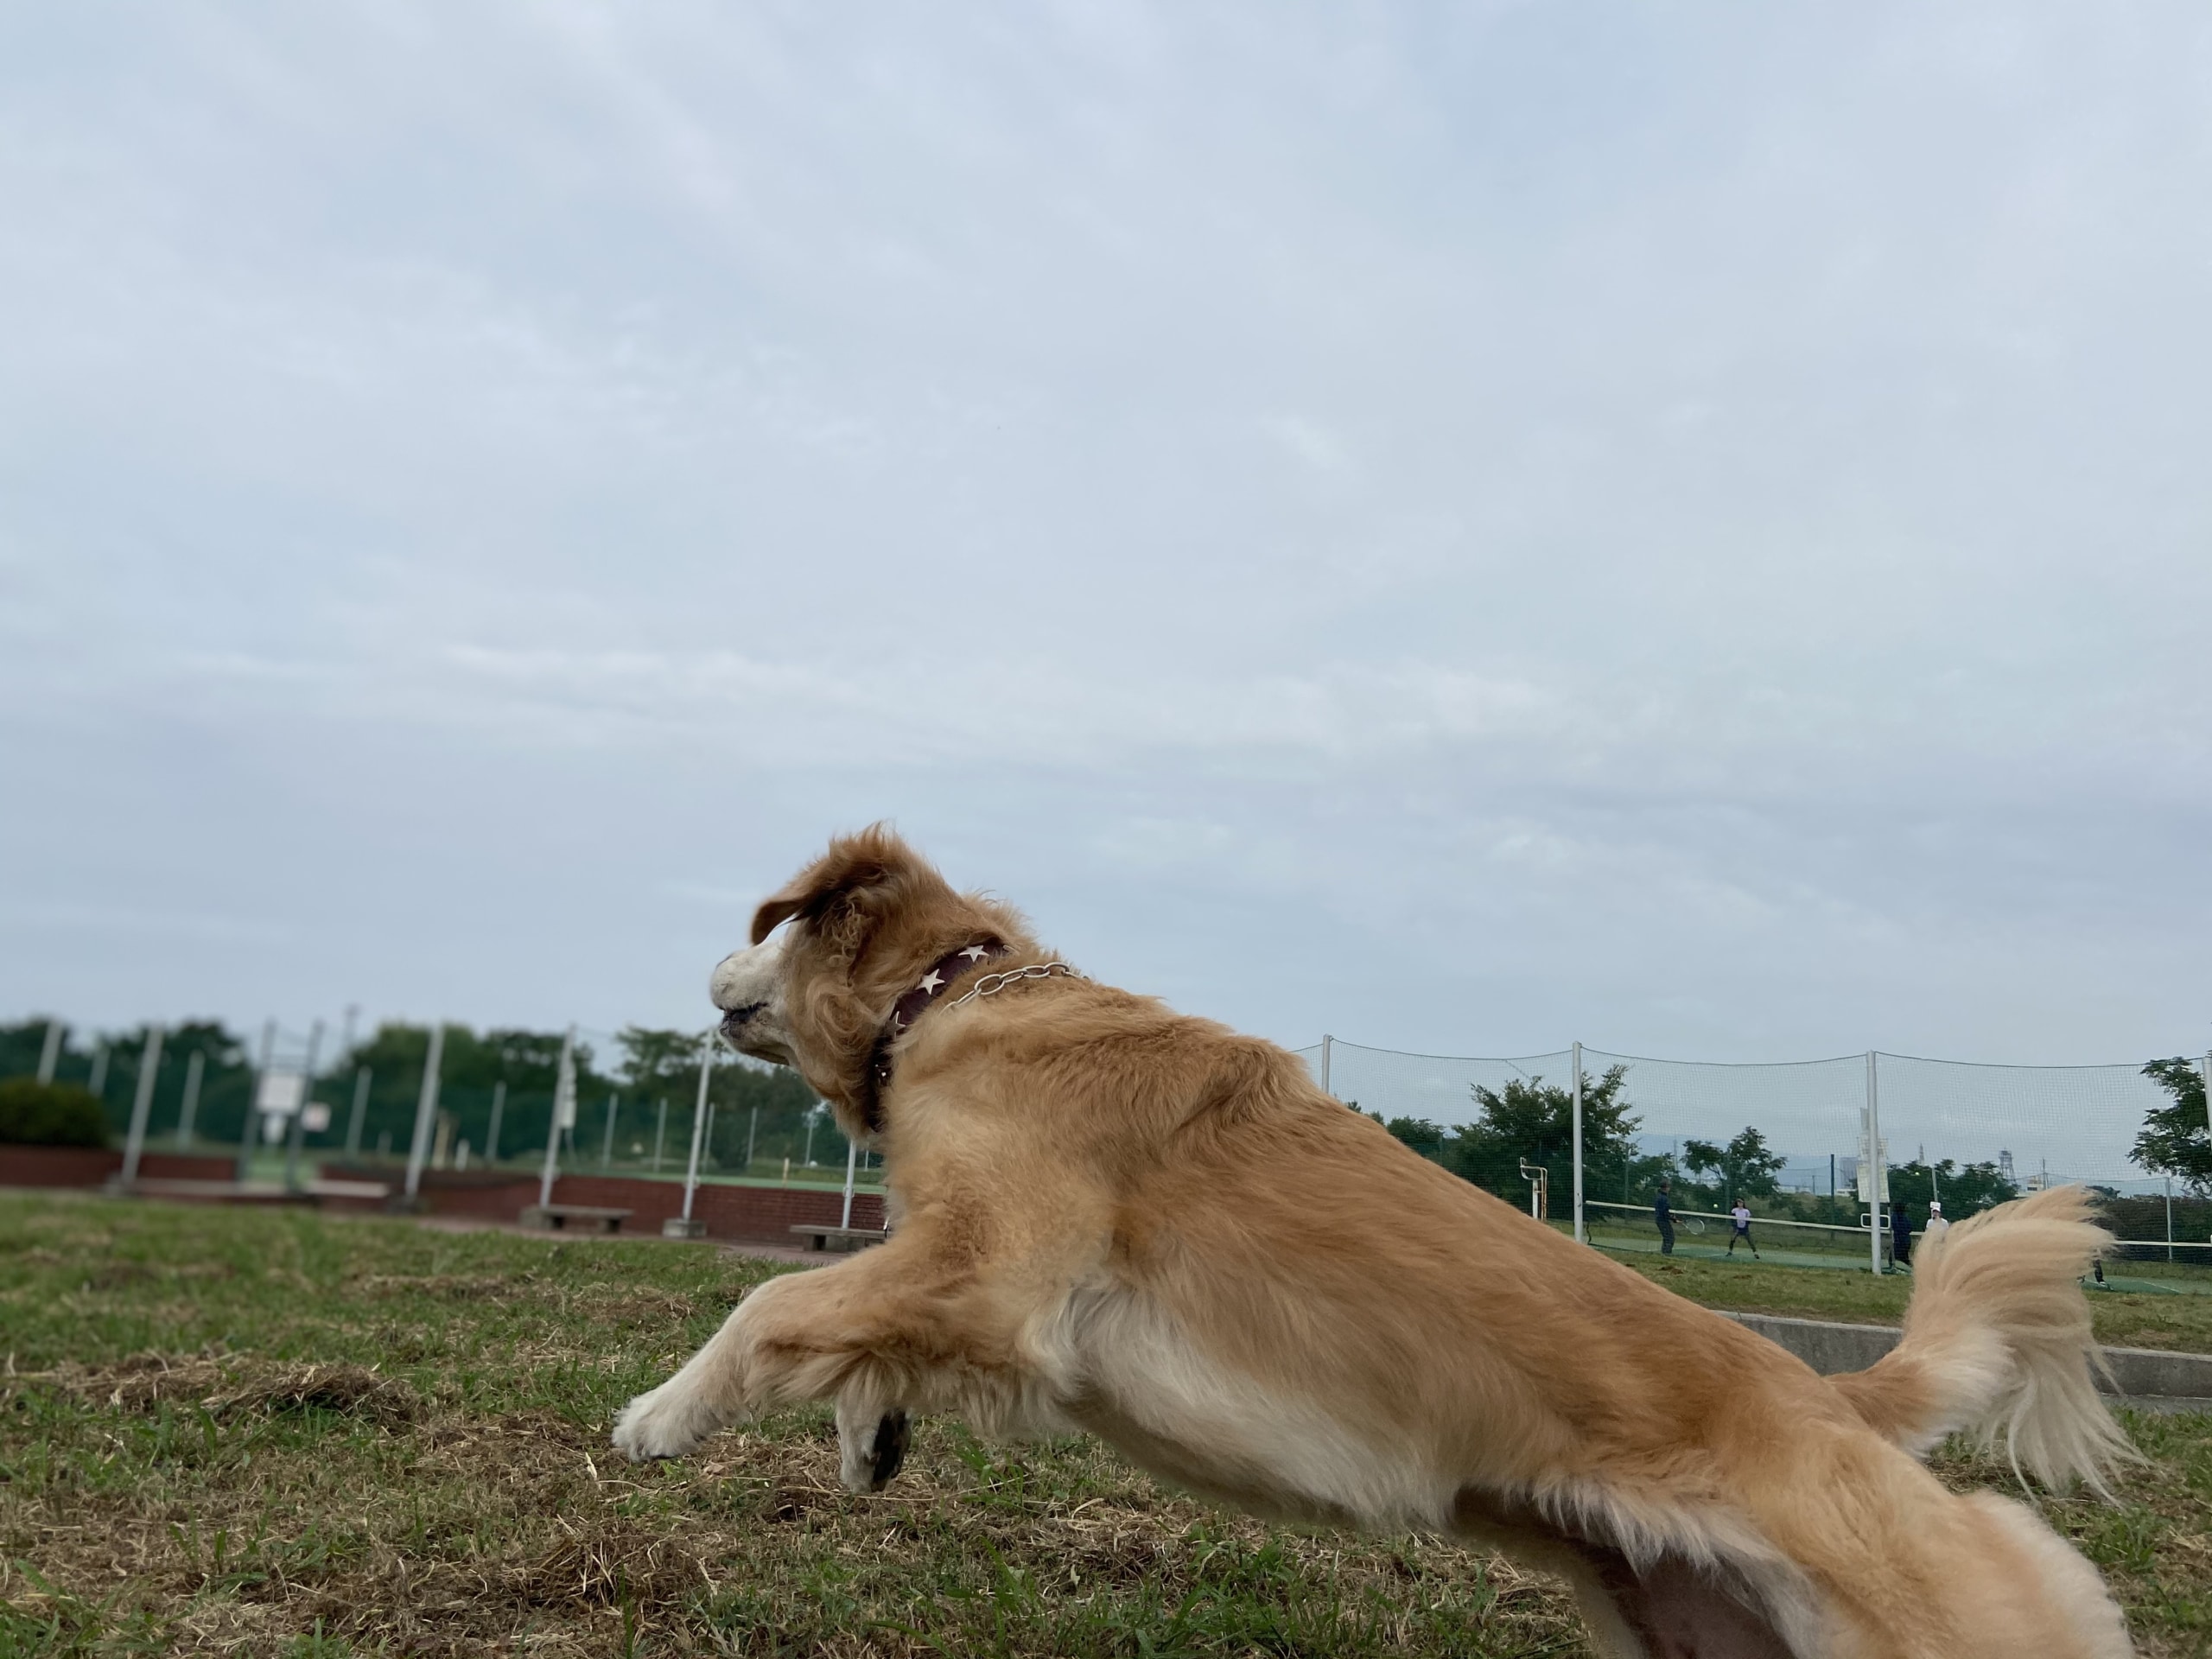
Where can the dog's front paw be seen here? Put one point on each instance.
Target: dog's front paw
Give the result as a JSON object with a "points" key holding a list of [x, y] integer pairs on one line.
{"points": [[664, 1422], [871, 1452]]}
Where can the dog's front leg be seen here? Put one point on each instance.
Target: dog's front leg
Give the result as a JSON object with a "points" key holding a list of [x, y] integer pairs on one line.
{"points": [[842, 1332], [872, 1434]]}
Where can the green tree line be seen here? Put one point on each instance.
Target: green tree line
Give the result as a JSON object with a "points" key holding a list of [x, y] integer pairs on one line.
{"points": [[1532, 1121], [509, 1071]]}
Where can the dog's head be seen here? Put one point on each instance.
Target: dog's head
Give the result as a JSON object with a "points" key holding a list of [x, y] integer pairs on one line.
{"points": [[834, 948]]}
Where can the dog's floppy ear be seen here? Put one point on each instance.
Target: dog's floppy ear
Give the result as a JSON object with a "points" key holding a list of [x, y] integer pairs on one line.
{"points": [[867, 860]]}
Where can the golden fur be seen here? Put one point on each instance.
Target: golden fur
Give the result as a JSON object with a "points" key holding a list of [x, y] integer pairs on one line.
{"points": [[1116, 1218]]}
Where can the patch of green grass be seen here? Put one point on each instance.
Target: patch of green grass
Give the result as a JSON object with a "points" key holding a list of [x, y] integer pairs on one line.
{"points": [[267, 1432]]}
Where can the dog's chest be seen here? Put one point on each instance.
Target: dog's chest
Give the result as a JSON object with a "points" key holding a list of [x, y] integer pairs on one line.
{"points": [[1124, 1369]]}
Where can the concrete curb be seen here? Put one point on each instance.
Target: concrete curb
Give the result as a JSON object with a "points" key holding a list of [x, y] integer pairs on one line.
{"points": [[1828, 1347]]}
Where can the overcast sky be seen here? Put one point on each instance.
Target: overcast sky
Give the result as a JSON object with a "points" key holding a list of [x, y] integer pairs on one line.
{"points": [[1467, 528]]}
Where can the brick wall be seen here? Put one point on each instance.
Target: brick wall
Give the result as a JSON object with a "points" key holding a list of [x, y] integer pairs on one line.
{"points": [[763, 1214], [95, 1166]]}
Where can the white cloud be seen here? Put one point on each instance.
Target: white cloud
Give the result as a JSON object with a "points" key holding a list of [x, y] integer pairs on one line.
{"points": [[1687, 530]]}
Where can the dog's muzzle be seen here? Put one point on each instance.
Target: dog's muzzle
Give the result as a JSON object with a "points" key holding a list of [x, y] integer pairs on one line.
{"points": [[735, 1020]]}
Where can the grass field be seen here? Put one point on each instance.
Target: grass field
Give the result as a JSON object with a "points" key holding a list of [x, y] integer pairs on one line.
{"points": [[273, 1434]]}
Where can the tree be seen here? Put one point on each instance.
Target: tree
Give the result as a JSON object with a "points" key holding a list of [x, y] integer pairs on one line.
{"points": [[657, 1060], [2176, 1139], [224, 1083], [1423, 1136], [783, 1101], [511, 1068], [1745, 1167], [1532, 1119], [1966, 1189], [34, 1114]]}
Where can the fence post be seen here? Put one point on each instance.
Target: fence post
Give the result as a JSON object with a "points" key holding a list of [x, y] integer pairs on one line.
{"points": [[1578, 1235], [298, 1137], [253, 1102], [499, 1111], [364, 1078], [1327, 1042], [426, 1108], [49, 1052], [299, 1118], [607, 1145], [852, 1160], [194, 1069], [660, 1132], [565, 1105], [2169, 1219], [142, 1104], [1875, 1218], [698, 1126]]}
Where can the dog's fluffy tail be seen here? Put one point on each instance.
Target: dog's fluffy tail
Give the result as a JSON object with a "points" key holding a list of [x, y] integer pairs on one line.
{"points": [[1996, 1340]]}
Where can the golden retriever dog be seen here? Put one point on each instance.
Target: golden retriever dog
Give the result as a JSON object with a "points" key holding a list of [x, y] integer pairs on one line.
{"points": [[1114, 1218]]}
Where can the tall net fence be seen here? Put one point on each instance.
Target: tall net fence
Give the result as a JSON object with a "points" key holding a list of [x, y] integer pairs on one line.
{"points": [[1790, 1141]]}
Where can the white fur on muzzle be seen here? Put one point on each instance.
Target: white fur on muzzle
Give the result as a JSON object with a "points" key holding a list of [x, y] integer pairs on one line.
{"points": [[748, 988]]}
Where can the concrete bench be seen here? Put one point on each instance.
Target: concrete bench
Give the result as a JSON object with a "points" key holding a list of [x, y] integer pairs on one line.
{"points": [[588, 1218], [839, 1238]]}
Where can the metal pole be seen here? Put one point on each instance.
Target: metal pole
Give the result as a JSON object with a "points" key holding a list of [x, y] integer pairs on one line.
{"points": [[49, 1053], [363, 1077], [2169, 1217], [297, 1139], [194, 1069], [142, 1104], [751, 1129], [1874, 1216], [1327, 1043], [698, 1124], [852, 1158], [98, 1082], [253, 1102], [499, 1111], [660, 1132], [426, 1108], [810, 1135], [564, 1088], [607, 1143], [1577, 1144]]}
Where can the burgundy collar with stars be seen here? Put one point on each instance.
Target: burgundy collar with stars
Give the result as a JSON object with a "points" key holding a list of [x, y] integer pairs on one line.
{"points": [[909, 1008]]}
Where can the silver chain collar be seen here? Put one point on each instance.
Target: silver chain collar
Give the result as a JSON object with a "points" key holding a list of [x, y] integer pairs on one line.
{"points": [[991, 984]]}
